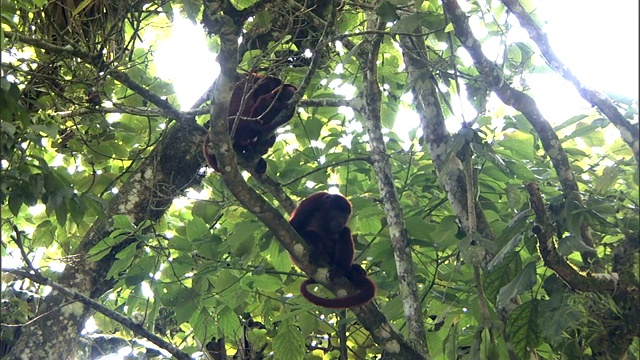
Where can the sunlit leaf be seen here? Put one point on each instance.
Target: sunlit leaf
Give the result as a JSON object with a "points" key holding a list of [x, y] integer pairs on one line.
{"points": [[288, 342]]}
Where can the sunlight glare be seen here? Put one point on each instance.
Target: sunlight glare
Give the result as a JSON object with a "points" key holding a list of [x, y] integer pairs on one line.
{"points": [[197, 195], [90, 326], [184, 60], [37, 209], [146, 290], [597, 40]]}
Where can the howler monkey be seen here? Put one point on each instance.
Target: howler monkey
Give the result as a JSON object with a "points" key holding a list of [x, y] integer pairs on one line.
{"points": [[256, 101], [321, 219]]}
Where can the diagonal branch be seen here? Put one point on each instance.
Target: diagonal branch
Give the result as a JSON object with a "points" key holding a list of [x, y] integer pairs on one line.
{"points": [[383, 333], [95, 60], [587, 282], [125, 321], [527, 106], [628, 131]]}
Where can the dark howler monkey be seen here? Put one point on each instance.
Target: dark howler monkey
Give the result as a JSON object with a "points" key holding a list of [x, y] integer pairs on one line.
{"points": [[321, 219], [261, 98]]}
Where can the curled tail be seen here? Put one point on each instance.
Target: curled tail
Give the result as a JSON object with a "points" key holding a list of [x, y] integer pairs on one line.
{"points": [[366, 292]]}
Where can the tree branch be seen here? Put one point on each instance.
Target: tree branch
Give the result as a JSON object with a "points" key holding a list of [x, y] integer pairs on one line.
{"points": [[527, 106], [368, 58], [628, 131], [125, 321], [552, 259], [94, 60]]}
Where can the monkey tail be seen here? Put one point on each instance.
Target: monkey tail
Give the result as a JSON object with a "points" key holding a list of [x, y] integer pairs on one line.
{"points": [[366, 292]]}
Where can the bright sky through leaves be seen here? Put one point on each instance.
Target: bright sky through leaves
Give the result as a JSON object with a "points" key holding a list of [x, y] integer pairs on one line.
{"points": [[597, 40]]}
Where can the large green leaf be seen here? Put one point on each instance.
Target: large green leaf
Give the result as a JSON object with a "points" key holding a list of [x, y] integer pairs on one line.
{"points": [[288, 342], [524, 281], [523, 330]]}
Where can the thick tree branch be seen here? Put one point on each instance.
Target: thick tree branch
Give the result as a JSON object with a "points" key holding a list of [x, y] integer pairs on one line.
{"points": [[369, 315], [368, 58], [448, 167], [552, 259], [629, 132], [527, 106]]}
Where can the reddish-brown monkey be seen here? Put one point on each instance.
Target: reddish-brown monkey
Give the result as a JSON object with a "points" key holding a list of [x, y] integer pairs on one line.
{"points": [[321, 219], [261, 98]]}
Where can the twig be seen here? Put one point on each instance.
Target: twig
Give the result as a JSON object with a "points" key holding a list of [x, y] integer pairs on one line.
{"points": [[94, 60]]}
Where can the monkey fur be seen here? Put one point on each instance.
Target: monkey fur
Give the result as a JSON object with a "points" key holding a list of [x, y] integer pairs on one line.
{"points": [[255, 103], [321, 220]]}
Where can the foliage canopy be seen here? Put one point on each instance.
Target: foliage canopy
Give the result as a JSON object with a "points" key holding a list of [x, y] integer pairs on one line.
{"points": [[510, 238]]}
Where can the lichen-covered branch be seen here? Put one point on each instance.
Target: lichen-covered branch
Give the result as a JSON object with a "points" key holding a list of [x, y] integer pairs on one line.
{"points": [[629, 132], [371, 121], [436, 137]]}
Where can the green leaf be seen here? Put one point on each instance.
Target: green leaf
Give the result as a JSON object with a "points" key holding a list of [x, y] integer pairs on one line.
{"points": [[569, 122], [473, 254], [123, 260], [288, 344], [196, 229], [504, 251], [568, 244], [523, 330], [609, 175], [122, 222], [206, 210], [387, 11], [180, 243], [101, 249], [313, 127], [279, 257], [226, 279], [417, 227], [516, 226], [267, 282], [61, 213], [448, 28], [519, 144], [229, 323], [501, 275], [445, 234], [77, 209], [521, 283], [186, 306], [15, 203], [44, 235], [582, 130], [243, 240], [201, 321], [307, 322], [210, 247]]}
